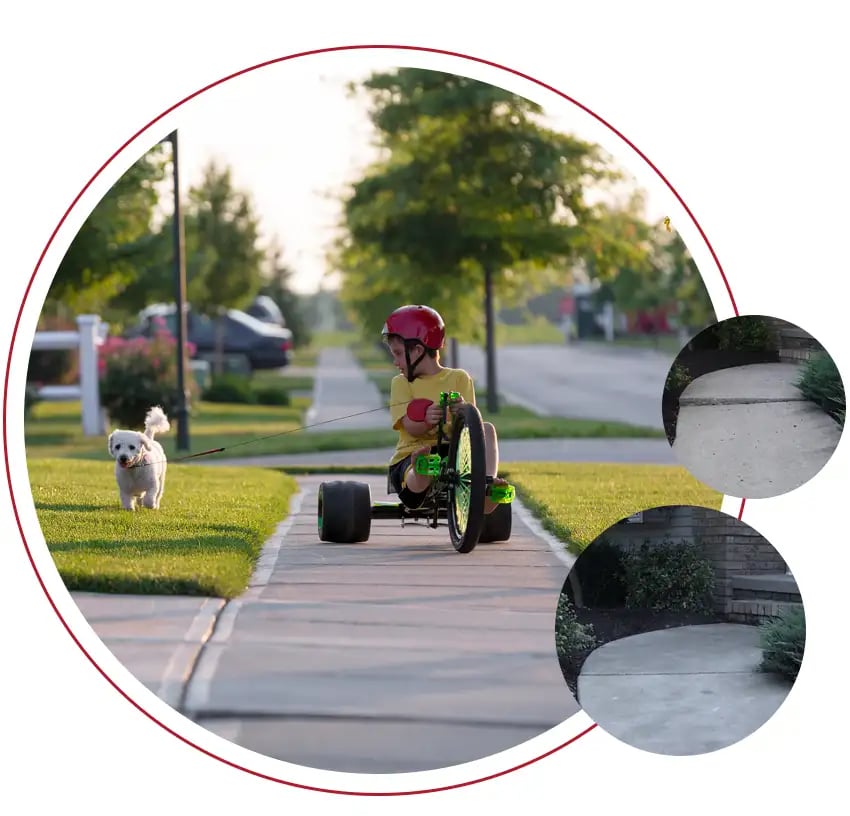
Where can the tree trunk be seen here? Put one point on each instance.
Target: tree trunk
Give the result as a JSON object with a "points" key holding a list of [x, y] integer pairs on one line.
{"points": [[219, 343], [492, 386], [454, 357]]}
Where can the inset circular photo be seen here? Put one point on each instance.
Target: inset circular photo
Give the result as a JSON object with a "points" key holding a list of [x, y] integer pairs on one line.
{"points": [[680, 630], [753, 406]]}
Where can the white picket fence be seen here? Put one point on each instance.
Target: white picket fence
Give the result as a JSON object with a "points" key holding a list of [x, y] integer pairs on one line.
{"points": [[89, 336]]}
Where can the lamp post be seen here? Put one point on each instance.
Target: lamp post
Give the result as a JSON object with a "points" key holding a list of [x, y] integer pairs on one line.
{"points": [[180, 301], [492, 386]]}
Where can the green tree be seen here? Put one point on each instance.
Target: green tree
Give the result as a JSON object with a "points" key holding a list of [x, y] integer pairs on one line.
{"points": [[224, 262], [695, 311], [114, 243], [279, 289], [224, 232], [649, 267], [472, 189]]}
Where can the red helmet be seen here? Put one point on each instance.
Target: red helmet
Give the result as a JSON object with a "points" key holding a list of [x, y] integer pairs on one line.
{"points": [[420, 323]]}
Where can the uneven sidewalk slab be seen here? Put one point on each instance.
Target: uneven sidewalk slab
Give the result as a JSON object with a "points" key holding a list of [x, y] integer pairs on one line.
{"points": [[681, 691], [749, 432], [397, 654], [756, 450], [761, 382]]}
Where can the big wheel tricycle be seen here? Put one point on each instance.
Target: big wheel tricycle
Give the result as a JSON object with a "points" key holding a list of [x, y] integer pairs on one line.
{"points": [[455, 498]]}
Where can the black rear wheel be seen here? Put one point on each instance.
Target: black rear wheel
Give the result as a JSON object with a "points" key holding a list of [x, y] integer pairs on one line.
{"points": [[345, 512], [467, 476], [497, 525]]}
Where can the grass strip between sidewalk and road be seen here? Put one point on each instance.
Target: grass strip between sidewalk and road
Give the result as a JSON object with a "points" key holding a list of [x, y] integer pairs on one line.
{"points": [[53, 430], [204, 540]]}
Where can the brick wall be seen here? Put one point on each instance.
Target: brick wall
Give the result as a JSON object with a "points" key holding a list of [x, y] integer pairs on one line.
{"points": [[733, 549], [795, 345], [674, 523]]}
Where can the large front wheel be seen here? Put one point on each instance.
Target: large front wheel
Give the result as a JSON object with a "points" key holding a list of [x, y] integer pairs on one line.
{"points": [[467, 478]]}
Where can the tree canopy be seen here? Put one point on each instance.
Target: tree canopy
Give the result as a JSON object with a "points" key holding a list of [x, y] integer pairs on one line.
{"points": [[469, 180], [115, 240]]}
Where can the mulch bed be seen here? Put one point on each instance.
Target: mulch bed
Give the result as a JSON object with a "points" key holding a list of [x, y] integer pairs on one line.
{"points": [[704, 361], [613, 624]]}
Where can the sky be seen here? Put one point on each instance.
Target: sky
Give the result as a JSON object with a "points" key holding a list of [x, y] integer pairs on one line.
{"points": [[265, 124]]}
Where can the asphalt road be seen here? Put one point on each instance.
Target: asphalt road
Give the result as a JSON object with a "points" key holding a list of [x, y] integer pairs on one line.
{"points": [[581, 381]]}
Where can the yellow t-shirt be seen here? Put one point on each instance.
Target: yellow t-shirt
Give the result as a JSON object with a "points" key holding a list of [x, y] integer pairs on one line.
{"points": [[425, 387]]}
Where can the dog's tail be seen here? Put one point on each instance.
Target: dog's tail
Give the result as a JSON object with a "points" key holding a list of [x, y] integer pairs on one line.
{"points": [[156, 422]]}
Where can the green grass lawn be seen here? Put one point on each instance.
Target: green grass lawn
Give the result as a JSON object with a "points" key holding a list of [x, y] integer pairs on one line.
{"points": [[579, 501], [204, 539], [533, 332], [666, 343], [276, 379]]}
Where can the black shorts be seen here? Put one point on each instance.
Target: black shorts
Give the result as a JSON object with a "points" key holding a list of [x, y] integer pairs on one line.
{"points": [[396, 475]]}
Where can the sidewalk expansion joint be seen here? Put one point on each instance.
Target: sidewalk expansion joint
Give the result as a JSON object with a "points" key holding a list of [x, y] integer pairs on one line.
{"points": [[669, 674], [737, 400], [210, 634]]}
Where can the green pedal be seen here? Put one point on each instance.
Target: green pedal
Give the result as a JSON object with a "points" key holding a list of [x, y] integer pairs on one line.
{"points": [[428, 464], [501, 494]]}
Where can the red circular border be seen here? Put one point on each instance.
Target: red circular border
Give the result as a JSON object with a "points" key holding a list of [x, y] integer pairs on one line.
{"points": [[38, 266]]}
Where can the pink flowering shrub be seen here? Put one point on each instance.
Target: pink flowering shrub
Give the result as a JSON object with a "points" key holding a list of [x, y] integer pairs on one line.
{"points": [[138, 373]]}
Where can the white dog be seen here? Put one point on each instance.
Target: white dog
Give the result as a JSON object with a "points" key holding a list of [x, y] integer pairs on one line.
{"points": [[140, 462]]}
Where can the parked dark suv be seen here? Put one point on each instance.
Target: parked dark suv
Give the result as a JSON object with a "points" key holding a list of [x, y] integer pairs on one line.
{"points": [[262, 345]]}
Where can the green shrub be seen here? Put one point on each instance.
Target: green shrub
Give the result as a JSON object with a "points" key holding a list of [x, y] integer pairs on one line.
{"points": [[570, 635], [233, 388], [272, 395], [820, 382], [783, 641], [745, 333], [601, 573], [138, 374], [668, 577], [677, 378]]}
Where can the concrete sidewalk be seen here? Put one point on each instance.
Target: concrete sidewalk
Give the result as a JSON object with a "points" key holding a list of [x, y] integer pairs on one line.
{"points": [[682, 691], [749, 432], [393, 655], [344, 398]]}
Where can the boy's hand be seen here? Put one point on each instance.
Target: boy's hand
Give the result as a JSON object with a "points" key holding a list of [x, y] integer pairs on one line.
{"points": [[455, 404], [433, 414]]}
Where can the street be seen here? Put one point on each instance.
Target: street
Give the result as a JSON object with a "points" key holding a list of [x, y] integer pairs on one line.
{"points": [[579, 381]]}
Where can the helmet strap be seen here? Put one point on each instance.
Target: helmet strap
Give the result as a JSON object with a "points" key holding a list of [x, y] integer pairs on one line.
{"points": [[411, 366]]}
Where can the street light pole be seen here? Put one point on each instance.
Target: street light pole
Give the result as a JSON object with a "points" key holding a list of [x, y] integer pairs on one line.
{"points": [[492, 386], [180, 301]]}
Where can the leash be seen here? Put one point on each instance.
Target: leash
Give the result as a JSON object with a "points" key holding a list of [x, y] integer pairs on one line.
{"points": [[268, 436]]}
